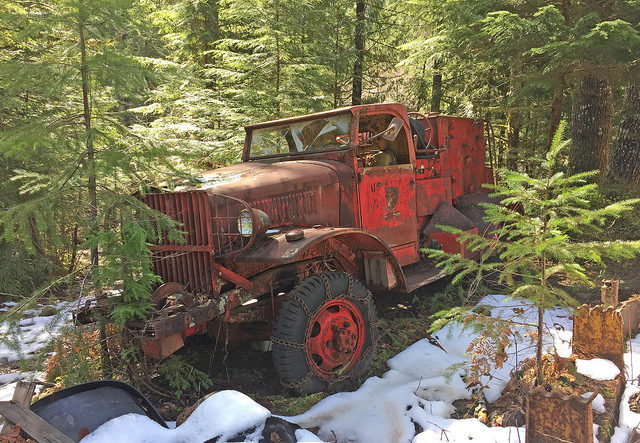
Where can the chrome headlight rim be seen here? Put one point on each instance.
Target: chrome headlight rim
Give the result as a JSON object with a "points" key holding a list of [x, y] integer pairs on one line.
{"points": [[253, 222], [245, 223]]}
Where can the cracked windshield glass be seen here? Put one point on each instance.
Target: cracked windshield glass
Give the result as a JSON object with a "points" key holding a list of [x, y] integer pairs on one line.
{"points": [[321, 134]]}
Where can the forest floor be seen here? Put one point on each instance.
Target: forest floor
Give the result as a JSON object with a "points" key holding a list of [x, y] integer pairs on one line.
{"points": [[405, 320]]}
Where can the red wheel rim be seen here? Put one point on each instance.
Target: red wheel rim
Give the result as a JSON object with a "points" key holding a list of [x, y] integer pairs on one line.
{"points": [[335, 338]]}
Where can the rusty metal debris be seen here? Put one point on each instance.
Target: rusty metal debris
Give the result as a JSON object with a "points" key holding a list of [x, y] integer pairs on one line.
{"points": [[554, 417], [609, 292], [597, 332], [600, 331]]}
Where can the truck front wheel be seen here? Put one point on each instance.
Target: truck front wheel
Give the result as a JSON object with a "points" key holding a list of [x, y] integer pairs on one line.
{"points": [[325, 333]]}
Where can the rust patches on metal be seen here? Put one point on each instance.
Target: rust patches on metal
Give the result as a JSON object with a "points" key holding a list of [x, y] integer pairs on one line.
{"points": [[176, 319], [554, 417], [597, 332], [630, 311], [600, 331], [174, 290], [162, 347], [187, 263], [609, 292], [447, 215], [231, 276]]}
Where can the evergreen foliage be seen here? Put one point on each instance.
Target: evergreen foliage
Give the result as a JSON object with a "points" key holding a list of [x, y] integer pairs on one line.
{"points": [[61, 150], [103, 100], [183, 377], [540, 236]]}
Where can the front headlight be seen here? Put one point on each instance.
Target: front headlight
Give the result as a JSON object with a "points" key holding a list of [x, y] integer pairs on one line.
{"points": [[245, 223], [246, 219]]}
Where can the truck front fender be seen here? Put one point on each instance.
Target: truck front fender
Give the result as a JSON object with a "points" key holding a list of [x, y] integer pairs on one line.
{"points": [[277, 250]]}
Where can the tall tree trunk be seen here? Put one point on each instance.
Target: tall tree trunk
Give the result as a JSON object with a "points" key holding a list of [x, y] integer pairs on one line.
{"points": [[211, 22], [93, 196], [556, 110], [358, 43], [436, 89], [514, 125], [624, 165], [514, 119], [592, 120], [278, 59], [336, 57], [92, 185]]}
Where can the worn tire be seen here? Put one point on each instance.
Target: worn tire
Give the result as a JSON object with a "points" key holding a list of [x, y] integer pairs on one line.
{"points": [[306, 364]]}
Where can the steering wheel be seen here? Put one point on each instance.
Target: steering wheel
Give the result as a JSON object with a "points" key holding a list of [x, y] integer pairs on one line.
{"points": [[373, 152], [431, 128]]}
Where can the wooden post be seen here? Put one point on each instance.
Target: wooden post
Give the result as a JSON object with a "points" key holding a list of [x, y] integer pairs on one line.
{"points": [[22, 395], [609, 292], [34, 426]]}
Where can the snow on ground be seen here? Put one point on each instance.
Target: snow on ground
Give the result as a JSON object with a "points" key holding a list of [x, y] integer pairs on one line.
{"points": [[8, 382], [419, 388], [224, 414], [28, 337], [597, 368], [597, 404], [422, 383], [628, 420], [35, 330], [302, 435]]}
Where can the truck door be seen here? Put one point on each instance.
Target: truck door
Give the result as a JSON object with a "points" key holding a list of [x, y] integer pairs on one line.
{"points": [[387, 188]]}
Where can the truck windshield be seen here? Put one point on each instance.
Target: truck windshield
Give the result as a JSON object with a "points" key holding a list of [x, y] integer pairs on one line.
{"points": [[322, 134]]}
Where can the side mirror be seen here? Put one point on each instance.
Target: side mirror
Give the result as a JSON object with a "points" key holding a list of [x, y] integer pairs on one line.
{"points": [[393, 129]]}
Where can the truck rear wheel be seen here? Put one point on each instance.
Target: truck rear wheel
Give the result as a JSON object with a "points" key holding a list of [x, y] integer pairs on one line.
{"points": [[325, 333]]}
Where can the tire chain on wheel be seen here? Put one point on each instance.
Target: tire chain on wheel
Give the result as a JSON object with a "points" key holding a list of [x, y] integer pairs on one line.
{"points": [[371, 348]]}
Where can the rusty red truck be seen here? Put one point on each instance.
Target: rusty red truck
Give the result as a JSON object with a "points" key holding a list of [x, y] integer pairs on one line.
{"points": [[288, 244]]}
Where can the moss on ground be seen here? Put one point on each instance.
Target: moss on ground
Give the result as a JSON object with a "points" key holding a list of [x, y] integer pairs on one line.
{"points": [[288, 405], [396, 334]]}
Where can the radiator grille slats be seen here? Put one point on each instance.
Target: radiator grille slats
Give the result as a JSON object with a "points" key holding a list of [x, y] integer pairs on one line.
{"points": [[211, 226], [188, 263]]}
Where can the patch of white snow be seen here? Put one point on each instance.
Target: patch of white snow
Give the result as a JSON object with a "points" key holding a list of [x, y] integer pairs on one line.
{"points": [[34, 331], [597, 404], [628, 419], [597, 368], [304, 436], [223, 415]]}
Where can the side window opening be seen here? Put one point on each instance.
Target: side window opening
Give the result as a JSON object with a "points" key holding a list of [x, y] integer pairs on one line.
{"points": [[381, 152]]}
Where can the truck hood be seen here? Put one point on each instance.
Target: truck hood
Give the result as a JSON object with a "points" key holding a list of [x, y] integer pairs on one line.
{"points": [[252, 181]]}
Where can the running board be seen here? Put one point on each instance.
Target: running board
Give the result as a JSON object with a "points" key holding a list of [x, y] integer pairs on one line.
{"points": [[420, 274]]}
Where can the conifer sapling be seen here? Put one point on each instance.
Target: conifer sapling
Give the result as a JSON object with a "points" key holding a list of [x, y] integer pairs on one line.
{"points": [[539, 232]]}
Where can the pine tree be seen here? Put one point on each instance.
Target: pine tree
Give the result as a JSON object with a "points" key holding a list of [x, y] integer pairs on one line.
{"points": [[71, 81], [540, 232]]}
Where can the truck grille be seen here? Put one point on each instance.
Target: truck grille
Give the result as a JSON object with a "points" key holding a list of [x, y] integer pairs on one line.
{"points": [[188, 263], [210, 224]]}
